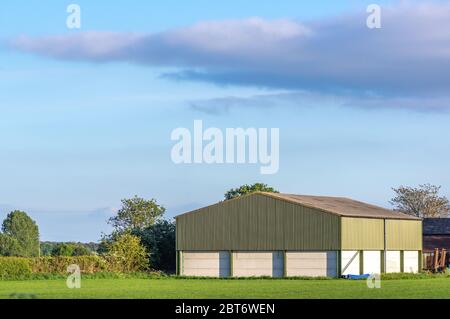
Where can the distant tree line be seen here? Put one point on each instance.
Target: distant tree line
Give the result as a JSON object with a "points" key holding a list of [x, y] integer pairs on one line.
{"points": [[49, 248]]}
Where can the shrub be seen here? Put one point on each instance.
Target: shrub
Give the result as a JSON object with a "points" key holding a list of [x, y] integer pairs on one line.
{"points": [[127, 253], [59, 264], [22, 268], [14, 267]]}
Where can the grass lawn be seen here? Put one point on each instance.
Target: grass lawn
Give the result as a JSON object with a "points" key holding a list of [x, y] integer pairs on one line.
{"points": [[214, 288]]}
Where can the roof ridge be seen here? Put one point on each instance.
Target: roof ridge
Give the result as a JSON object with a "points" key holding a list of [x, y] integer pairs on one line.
{"points": [[327, 207], [291, 198]]}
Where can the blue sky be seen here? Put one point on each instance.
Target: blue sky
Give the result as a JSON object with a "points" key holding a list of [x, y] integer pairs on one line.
{"points": [[359, 110]]}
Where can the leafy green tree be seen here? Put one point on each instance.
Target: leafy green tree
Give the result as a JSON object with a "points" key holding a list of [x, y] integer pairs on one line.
{"points": [[423, 201], [129, 249], [70, 249], [136, 214], [247, 189], [47, 248], [21, 227], [63, 249], [81, 250], [159, 240], [9, 246], [105, 242]]}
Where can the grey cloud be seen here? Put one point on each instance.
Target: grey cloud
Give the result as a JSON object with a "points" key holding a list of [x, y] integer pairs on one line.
{"points": [[408, 56], [224, 105], [309, 99]]}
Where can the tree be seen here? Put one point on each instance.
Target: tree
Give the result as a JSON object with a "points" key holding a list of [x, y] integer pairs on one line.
{"points": [[81, 250], [129, 249], [136, 214], [63, 249], [9, 246], [46, 248], [21, 227], [159, 240], [423, 201], [247, 189]]}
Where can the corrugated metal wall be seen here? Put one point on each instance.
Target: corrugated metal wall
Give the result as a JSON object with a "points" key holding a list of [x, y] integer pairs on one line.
{"points": [[404, 234], [258, 222], [368, 233], [362, 233]]}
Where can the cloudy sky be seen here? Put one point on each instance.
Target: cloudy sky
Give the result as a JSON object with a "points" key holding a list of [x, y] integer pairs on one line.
{"points": [[86, 114]]}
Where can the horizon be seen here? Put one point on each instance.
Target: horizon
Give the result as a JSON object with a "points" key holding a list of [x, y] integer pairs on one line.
{"points": [[87, 114]]}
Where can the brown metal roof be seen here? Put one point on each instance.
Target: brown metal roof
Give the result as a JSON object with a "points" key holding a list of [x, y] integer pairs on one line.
{"points": [[334, 205], [342, 206]]}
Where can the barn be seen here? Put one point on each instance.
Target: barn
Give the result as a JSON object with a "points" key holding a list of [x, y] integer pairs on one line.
{"points": [[282, 235]]}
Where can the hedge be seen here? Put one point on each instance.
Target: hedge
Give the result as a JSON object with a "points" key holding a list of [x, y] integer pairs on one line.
{"points": [[58, 265], [14, 267], [20, 267]]}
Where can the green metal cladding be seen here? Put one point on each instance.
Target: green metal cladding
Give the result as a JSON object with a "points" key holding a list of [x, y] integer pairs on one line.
{"points": [[259, 222]]}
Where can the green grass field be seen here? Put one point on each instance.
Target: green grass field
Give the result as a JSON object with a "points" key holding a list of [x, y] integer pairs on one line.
{"points": [[214, 288]]}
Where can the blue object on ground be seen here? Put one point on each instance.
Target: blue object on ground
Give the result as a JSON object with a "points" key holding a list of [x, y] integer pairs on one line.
{"points": [[363, 276]]}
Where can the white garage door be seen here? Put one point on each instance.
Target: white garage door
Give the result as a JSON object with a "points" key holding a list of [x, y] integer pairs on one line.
{"points": [[210, 264], [350, 262], [393, 261], [372, 262], [311, 264], [411, 261], [256, 264]]}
